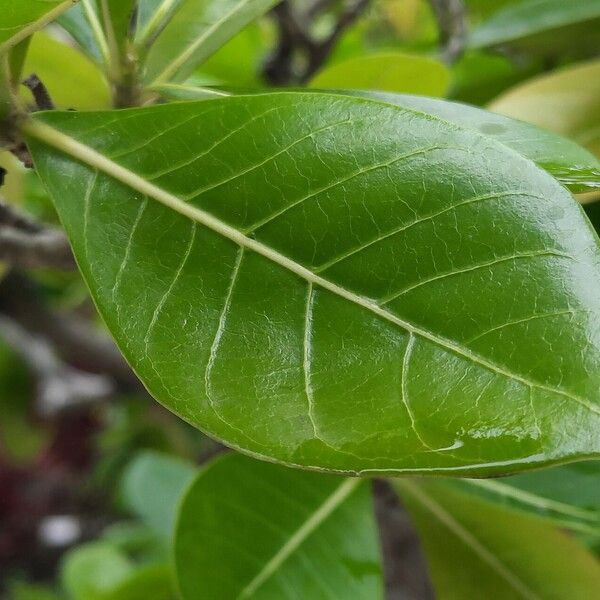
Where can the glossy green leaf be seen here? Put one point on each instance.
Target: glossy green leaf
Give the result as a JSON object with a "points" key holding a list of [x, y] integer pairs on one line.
{"points": [[409, 270], [574, 166], [248, 529], [547, 24], [478, 550], [72, 79], [566, 101], [389, 71], [567, 494], [151, 487], [197, 30], [571, 164], [23, 18]]}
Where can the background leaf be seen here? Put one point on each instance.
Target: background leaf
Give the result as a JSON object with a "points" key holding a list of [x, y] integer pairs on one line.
{"points": [[396, 254], [197, 30], [82, 23], [566, 101], [550, 26], [476, 549], [152, 486], [21, 19], [254, 530], [94, 571], [73, 81], [389, 71], [567, 494]]}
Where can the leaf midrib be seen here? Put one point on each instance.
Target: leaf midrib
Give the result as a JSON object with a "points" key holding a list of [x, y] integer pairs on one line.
{"points": [[175, 65], [457, 528], [87, 155], [316, 519]]}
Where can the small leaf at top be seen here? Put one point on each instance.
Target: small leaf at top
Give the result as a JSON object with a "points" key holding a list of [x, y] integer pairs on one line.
{"points": [[23, 18], [197, 30]]}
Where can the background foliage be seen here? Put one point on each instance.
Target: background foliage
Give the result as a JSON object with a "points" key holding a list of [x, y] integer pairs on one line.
{"points": [[107, 496]]}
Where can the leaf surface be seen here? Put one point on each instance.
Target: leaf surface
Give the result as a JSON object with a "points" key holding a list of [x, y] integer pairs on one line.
{"points": [[478, 550], [573, 165], [197, 30], [337, 283], [248, 529], [21, 19], [566, 160]]}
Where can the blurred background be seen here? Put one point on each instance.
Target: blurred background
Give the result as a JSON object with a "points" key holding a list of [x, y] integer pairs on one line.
{"points": [[81, 443]]}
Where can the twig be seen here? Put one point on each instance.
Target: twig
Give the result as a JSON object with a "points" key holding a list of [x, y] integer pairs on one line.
{"points": [[321, 50], [59, 387], [74, 338], [39, 92], [295, 41], [452, 25], [25, 243]]}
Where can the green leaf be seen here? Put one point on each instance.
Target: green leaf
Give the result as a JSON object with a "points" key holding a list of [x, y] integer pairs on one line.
{"points": [[566, 101], [152, 16], [197, 30], [151, 487], [566, 160], [27, 591], [387, 71], [254, 530], [93, 571], [117, 16], [409, 270], [72, 80], [567, 494], [147, 582], [82, 23], [479, 76], [477, 550], [549, 25], [17, 57], [23, 18], [100, 571]]}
